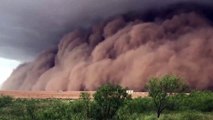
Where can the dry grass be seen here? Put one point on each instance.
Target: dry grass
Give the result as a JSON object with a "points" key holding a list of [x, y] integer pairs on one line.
{"points": [[53, 94]]}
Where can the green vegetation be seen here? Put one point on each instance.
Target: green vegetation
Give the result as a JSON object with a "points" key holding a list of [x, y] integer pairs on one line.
{"points": [[111, 102], [161, 88], [108, 99]]}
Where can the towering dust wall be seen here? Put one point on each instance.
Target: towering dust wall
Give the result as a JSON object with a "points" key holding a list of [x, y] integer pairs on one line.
{"points": [[125, 50]]}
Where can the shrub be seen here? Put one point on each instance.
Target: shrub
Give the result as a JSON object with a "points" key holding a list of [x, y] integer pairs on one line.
{"points": [[31, 109], [5, 100], [57, 111], [86, 104], [136, 106], [107, 100]]}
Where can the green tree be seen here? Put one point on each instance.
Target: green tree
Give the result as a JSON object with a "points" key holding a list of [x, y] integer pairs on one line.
{"points": [[108, 99], [85, 99], [161, 88]]}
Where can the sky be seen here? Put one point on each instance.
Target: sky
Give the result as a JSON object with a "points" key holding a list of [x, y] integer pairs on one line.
{"points": [[6, 68], [28, 27], [31, 26]]}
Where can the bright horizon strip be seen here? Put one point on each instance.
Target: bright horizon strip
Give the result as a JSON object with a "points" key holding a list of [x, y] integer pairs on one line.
{"points": [[6, 68]]}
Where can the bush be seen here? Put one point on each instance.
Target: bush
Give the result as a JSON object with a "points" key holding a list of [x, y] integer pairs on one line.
{"points": [[197, 100], [5, 100], [202, 101], [86, 104], [136, 106], [57, 111], [31, 109], [107, 100]]}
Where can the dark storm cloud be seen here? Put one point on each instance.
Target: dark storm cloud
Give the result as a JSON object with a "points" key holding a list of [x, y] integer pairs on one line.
{"points": [[138, 39], [28, 27]]}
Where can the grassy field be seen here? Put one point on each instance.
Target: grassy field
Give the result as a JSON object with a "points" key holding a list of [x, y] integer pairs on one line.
{"points": [[185, 115], [196, 106]]}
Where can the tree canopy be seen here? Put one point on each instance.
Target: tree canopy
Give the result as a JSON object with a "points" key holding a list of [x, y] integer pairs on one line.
{"points": [[160, 88]]}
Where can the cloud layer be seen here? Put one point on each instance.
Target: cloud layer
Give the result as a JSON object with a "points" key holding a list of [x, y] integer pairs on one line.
{"points": [[29, 27], [125, 50]]}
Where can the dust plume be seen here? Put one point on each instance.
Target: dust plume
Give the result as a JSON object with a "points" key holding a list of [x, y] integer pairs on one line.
{"points": [[125, 50]]}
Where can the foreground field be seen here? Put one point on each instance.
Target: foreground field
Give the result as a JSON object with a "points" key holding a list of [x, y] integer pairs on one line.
{"points": [[167, 100], [195, 106]]}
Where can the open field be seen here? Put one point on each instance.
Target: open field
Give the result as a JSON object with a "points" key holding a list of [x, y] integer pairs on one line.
{"points": [[59, 95], [197, 105]]}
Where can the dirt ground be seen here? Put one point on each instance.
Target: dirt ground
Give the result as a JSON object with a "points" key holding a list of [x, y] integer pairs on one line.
{"points": [[53, 94]]}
